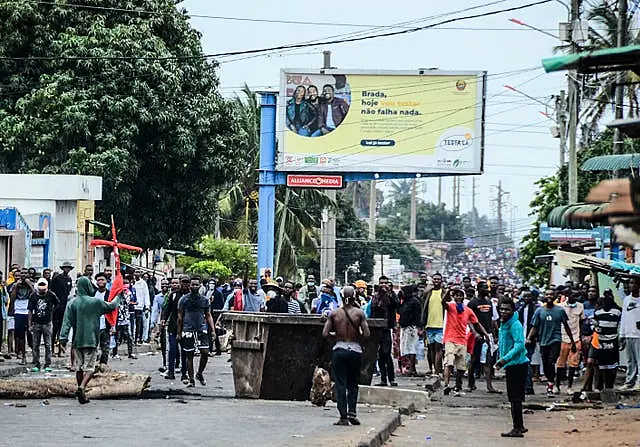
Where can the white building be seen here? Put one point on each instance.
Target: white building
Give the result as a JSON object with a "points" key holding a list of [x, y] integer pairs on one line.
{"points": [[55, 209]]}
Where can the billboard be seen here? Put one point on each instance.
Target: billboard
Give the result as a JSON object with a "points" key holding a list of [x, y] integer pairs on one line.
{"points": [[425, 121]]}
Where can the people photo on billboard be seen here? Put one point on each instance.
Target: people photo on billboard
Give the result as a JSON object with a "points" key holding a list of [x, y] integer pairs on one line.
{"points": [[318, 104]]}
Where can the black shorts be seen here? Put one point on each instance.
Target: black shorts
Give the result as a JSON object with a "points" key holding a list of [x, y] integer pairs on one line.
{"points": [[22, 323], [195, 340], [607, 356]]}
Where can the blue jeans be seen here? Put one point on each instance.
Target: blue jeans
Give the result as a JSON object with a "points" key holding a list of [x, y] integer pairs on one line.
{"points": [[132, 326], [529, 382], [345, 365], [304, 132], [173, 353]]}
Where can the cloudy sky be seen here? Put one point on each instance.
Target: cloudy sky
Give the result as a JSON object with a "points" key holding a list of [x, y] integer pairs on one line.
{"points": [[519, 146]]}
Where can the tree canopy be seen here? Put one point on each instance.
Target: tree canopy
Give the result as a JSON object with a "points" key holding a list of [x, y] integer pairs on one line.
{"points": [[127, 96]]}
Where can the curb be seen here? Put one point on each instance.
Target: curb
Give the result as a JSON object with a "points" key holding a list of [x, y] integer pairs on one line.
{"points": [[13, 371], [378, 437]]}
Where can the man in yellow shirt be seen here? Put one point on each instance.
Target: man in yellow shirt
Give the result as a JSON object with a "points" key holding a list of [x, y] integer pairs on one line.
{"points": [[433, 321]]}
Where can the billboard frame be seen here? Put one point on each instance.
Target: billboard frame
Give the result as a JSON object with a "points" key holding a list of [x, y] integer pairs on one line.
{"points": [[480, 125]]}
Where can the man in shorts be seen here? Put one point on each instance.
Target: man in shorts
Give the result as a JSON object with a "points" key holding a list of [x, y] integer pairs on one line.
{"points": [[83, 316], [459, 316], [575, 318], [433, 322], [194, 322]]}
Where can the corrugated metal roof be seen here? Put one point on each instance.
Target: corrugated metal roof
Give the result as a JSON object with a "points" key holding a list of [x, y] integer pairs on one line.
{"points": [[612, 162], [608, 59], [572, 216]]}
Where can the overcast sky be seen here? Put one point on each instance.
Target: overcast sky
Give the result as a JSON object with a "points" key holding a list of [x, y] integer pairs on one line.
{"points": [[519, 146]]}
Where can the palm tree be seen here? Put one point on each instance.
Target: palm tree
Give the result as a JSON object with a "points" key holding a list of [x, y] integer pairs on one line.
{"points": [[600, 89], [297, 218], [401, 188]]}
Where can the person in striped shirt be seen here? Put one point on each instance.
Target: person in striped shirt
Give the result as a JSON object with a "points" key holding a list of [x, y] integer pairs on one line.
{"points": [[292, 303], [605, 341]]}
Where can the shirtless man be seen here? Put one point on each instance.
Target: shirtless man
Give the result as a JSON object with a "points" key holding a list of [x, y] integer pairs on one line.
{"points": [[350, 325]]}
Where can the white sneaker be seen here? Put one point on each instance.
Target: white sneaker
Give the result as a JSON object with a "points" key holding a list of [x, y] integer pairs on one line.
{"points": [[625, 387]]}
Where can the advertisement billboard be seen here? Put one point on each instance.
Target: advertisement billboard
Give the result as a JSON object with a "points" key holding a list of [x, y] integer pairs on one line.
{"points": [[424, 121]]}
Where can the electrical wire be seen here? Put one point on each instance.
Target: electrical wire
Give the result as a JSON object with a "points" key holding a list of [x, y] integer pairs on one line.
{"points": [[287, 46]]}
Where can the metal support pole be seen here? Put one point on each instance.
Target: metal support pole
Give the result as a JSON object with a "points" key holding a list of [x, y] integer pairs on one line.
{"points": [[573, 112], [620, 78], [412, 223], [328, 240], [267, 188], [561, 119], [372, 211]]}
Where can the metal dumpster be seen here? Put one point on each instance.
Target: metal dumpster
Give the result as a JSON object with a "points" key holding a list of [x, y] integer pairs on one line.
{"points": [[273, 356]]}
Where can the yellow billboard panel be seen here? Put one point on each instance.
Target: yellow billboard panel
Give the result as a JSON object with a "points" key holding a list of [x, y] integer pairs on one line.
{"points": [[417, 122]]}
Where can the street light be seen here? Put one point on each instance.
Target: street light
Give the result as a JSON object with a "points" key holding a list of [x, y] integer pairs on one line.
{"points": [[521, 23]]}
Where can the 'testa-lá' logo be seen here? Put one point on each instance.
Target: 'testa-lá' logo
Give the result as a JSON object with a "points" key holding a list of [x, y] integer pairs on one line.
{"points": [[456, 139]]}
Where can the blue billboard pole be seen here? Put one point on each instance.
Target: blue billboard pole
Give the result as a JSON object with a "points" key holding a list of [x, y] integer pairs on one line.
{"points": [[267, 182]]}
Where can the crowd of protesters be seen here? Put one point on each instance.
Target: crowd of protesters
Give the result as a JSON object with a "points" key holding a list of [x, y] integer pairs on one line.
{"points": [[459, 326]]}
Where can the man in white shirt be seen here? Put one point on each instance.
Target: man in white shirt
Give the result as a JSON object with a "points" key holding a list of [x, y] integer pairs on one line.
{"points": [[143, 304], [630, 336]]}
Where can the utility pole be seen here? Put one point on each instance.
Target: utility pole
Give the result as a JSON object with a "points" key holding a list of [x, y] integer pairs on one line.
{"points": [[473, 195], [458, 196], [561, 119], [573, 108], [619, 114], [328, 225], [413, 223], [372, 210], [455, 193], [500, 203], [439, 191]]}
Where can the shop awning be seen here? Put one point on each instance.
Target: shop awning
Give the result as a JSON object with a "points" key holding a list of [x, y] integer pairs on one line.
{"points": [[612, 162], [628, 126], [572, 216], [597, 61]]}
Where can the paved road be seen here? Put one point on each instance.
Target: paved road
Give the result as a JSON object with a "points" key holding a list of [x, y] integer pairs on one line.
{"points": [[214, 418]]}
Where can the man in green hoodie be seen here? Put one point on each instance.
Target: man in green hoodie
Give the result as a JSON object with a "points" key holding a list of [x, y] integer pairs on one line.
{"points": [[83, 315]]}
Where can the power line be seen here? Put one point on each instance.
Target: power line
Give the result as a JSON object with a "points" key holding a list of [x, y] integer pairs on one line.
{"points": [[286, 46]]}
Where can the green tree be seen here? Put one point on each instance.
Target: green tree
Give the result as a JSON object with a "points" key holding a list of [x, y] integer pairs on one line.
{"points": [[208, 269], [482, 230], [232, 254], [352, 246], [393, 242], [400, 189], [126, 96], [600, 88], [430, 220]]}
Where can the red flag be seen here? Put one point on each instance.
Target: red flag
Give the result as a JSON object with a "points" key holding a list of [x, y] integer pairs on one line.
{"points": [[118, 283]]}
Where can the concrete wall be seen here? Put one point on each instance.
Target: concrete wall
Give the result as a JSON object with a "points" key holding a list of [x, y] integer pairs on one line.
{"points": [[50, 187], [57, 195], [65, 235]]}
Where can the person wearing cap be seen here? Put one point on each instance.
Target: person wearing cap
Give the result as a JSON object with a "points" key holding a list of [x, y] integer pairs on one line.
{"points": [[361, 293], [19, 309], [61, 286], [309, 291], [41, 305]]}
